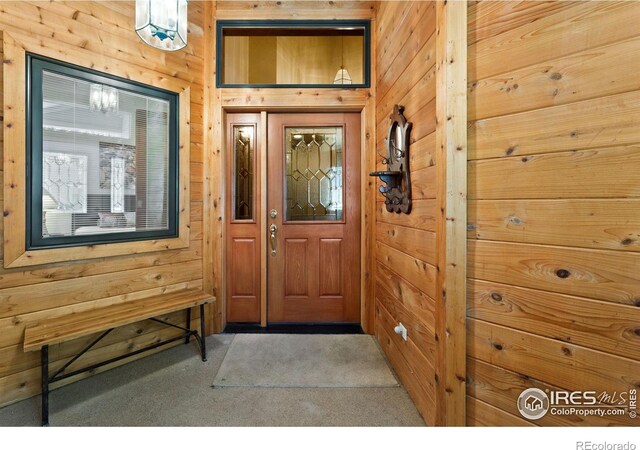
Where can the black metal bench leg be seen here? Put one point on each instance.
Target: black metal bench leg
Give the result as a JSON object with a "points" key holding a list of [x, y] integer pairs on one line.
{"points": [[44, 354], [188, 326], [203, 347]]}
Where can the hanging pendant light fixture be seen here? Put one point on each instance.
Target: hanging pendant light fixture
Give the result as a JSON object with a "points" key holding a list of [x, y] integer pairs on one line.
{"points": [[342, 76], [103, 98], [162, 23]]}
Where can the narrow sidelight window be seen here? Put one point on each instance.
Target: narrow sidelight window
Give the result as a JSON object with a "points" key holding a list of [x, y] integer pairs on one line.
{"points": [[102, 158]]}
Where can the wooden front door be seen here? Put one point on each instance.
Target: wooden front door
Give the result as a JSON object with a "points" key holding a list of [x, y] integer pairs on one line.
{"points": [[313, 218]]}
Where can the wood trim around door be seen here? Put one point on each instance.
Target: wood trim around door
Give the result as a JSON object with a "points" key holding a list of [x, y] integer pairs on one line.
{"points": [[263, 214]]}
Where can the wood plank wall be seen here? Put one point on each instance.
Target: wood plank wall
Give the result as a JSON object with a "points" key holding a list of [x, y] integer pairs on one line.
{"points": [[106, 29], [405, 245], [554, 204]]}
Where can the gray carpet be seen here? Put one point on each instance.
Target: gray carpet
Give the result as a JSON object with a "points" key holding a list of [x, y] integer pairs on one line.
{"points": [[173, 388], [293, 360]]}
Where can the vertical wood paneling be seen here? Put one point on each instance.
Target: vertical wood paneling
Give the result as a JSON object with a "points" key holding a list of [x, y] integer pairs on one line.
{"points": [[102, 34], [213, 206], [553, 181], [451, 219]]}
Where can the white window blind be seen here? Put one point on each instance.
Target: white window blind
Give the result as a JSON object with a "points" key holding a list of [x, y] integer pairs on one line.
{"points": [[105, 157]]}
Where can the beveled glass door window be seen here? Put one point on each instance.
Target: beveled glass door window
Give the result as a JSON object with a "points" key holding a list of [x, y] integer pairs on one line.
{"points": [[313, 174], [289, 53], [243, 172]]}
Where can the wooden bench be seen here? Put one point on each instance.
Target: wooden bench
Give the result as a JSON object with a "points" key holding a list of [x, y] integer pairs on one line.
{"points": [[40, 335]]}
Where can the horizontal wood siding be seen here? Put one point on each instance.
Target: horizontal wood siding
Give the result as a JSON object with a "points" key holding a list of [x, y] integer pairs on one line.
{"points": [[405, 246], [554, 204], [101, 33]]}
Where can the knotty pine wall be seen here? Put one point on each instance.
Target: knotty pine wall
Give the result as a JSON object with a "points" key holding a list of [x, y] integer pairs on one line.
{"points": [[405, 245], [554, 204], [107, 29]]}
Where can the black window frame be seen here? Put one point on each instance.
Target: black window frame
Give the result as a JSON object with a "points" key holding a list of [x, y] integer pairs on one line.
{"points": [[36, 65], [320, 24]]}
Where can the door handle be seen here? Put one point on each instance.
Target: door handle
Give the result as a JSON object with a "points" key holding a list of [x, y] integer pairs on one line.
{"points": [[273, 229]]}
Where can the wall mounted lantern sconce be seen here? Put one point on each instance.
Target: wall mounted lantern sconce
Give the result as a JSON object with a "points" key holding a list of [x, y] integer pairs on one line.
{"points": [[396, 179]]}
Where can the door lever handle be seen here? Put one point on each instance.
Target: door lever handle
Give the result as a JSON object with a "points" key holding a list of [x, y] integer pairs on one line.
{"points": [[273, 229]]}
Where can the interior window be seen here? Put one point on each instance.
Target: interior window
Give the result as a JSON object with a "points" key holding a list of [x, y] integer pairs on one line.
{"points": [[103, 158], [293, 53]]}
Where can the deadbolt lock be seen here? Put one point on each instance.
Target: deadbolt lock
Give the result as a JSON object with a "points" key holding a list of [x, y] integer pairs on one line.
{"points": [[274, 214]]}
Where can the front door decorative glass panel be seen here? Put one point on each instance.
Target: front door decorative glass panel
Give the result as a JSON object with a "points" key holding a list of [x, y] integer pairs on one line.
{"points": [[313, 171]]}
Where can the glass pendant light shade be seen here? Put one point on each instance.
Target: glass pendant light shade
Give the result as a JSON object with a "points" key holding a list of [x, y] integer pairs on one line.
{"points": [[342, 77], [103, 98], [162, 23]]}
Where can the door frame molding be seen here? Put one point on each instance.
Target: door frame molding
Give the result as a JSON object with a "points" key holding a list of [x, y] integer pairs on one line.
{"points": [[265, 101]]}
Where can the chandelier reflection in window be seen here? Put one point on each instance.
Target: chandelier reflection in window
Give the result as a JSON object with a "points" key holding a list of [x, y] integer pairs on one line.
{"points": [[103, 98]]}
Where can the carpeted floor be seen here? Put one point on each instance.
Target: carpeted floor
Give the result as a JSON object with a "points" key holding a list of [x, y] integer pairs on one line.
{"points": [[173, 388], [291, 360]]}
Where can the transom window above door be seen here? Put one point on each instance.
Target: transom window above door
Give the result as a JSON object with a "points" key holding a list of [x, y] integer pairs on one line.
{"points": [[293, 53]]}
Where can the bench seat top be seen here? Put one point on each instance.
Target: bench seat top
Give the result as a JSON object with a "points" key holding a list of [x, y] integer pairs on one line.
{"points": [[78, 324]]}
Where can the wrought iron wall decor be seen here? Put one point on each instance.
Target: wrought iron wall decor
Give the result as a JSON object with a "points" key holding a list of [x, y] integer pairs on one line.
{"points": [[396, 179]]}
